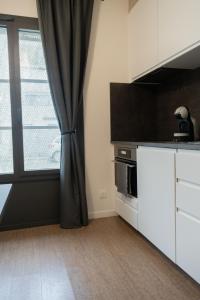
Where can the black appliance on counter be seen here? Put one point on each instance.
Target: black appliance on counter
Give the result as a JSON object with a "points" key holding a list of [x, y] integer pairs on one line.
{"points": [[186, 125], [126, 170]]}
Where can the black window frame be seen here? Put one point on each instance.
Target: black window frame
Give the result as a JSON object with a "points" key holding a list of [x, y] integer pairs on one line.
{"points": [[13, 24]]}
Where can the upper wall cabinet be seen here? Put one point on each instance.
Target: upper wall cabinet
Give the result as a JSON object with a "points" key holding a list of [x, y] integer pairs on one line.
{"points": [[178, 26], [142, 31], [160, 31]]}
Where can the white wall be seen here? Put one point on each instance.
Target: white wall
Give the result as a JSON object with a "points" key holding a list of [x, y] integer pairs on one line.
{"points": [[132, 3], [107, 62], [18, 7]]}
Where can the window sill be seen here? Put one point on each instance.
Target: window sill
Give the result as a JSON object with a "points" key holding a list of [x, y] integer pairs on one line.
{"points": [[30, 177]]}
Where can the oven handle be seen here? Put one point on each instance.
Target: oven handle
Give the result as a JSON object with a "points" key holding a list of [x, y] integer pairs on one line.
{"points": [[131, 166], [129, 187], [122, 162], [128, 166]]}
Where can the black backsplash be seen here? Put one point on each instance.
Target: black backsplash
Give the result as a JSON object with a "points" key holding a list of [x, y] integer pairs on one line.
{"points": [[146, 113], [132, 108]]}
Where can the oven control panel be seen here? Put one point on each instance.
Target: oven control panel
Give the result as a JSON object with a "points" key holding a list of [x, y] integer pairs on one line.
{"points": [[125, 152]]}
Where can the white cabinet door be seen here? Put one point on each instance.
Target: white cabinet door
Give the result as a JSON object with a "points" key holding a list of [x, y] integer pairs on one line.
{"points": [[188, 244], [156, 197], [142, 37], [178, 26]]}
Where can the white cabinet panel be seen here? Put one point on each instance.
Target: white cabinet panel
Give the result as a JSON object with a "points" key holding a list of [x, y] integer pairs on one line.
{"points": [[188, 198], [188, 166], [178, 26], [119, 206], [127, 210], [156, 197], [188, 244], [131, 201], [142, 37], [130, 215]]}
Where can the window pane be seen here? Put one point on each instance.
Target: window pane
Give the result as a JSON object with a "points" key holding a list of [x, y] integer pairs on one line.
{"points": [[6, 149], [32, 61], [37, 105], [41, 135], [4, 74], [41, 148], [5, 108]]}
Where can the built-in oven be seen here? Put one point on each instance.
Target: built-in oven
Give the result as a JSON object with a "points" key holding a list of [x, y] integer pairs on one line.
{"points": [[126, 170]]}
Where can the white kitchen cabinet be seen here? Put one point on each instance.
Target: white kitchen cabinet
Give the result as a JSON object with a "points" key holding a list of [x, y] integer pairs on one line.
{"points": [[142, 37], [167, 210], [163, 32], [188, 212], [178, 26], [127, 208], [188, 244], [156, 197]]}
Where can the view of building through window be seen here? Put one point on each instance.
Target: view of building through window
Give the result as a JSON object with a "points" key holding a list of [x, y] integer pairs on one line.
{"points": [[6, 149], [41, 134]]}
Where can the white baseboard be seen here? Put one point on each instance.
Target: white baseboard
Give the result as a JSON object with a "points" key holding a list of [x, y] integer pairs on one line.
{"points": [[102, 214]]}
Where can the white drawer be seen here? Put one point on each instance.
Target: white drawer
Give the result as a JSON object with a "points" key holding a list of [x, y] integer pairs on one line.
{"points": [[188, 198], [188, 244], [127, 212], [130, 215], [132, 201], [188, 166], [119, 206]]}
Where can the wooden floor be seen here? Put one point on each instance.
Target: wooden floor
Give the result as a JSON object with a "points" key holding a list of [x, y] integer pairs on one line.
{"points": [[106, 260]]}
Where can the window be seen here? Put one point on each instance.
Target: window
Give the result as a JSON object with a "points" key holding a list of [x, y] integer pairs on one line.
{"points": [[40, 126], [6, 151], [29, 132]]}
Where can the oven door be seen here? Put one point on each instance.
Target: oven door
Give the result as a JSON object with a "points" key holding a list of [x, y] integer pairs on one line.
{"points": [[126, 178]]}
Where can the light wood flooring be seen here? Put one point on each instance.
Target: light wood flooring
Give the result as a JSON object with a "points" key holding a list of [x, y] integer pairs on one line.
{"points": [[106, 260]]}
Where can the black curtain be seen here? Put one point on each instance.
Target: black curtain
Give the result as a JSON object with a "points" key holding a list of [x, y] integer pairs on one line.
{"points": [[65, 29]]}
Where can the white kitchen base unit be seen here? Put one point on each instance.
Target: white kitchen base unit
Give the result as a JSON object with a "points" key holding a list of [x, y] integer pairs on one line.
{"points": [[126, 207], [156, 197], [167, 209]]}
